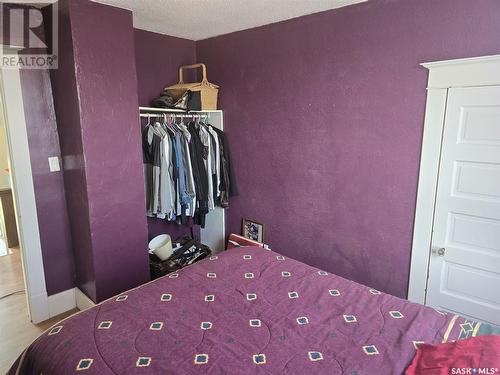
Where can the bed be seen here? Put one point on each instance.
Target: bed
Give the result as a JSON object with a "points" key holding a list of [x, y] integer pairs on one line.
{"points": [[247, 310]]}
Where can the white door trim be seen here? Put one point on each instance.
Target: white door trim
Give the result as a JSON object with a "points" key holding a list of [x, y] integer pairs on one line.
{"points": [[469, 72], [24, 197]]}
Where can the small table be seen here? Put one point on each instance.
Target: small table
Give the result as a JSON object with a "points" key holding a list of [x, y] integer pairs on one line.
{"points": [[190, 251]]}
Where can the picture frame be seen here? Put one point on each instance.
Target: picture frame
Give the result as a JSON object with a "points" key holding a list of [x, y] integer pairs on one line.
{"points": [[252, 230]]}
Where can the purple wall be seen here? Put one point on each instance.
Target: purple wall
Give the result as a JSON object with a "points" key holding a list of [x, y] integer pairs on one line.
{"points": [[106, 73], [43, 141], [55, 238], [101, 145], [325, 113], [157, 59], [66, 103]]}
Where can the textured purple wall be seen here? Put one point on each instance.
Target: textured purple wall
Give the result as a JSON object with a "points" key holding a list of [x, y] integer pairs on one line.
{"points": [[66, 104], [157, 59], [106, 74], [55, 237], [53, 221], [325, 115], [103, 149]]}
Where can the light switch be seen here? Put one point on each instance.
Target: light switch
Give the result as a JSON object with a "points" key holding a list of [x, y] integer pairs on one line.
{"points": [[54, 164]]}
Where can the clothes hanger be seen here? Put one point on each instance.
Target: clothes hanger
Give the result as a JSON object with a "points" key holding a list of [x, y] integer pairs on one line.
{"points": [[157, 126], [204, 123], [196, 123], [177, 126], [165, 123], [158, 129], [169, 125]]}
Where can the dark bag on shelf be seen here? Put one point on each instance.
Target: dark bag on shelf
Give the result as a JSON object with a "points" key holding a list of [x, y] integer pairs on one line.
{"points": [[185, 100]]}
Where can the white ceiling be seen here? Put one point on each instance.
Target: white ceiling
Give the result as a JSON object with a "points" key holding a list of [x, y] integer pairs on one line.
{"points": [[201, 19]]}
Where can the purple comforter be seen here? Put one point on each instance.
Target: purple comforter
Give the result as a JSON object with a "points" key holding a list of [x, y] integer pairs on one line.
{"points": [[245, 311]]}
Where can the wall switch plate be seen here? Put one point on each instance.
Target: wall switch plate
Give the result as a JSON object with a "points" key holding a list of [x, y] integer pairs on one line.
{"points": [[54, 165]]}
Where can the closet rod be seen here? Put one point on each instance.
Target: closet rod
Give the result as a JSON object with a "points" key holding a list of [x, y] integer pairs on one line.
{"points": [[173, 110]]}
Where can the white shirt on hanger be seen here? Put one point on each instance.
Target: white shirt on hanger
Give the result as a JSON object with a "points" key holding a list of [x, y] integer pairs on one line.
{"points": [[206, 140], [217, 157], [190, 184], [166, 205]]}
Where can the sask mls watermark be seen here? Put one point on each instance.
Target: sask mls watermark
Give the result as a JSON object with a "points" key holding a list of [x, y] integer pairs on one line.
{"points": [[29, 35]]}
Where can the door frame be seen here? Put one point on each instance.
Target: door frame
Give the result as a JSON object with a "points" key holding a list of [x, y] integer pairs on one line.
{"points": [[24, 193], [443, 75]]}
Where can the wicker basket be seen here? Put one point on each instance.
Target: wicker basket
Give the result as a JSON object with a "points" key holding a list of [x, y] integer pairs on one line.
{"points": [[208, 91]]}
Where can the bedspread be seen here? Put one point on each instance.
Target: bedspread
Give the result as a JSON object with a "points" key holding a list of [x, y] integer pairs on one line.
{"points": [[244, 311]]}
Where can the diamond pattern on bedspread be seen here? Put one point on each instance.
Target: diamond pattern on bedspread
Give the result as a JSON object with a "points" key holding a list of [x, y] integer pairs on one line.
{"points": [[243, 310]]}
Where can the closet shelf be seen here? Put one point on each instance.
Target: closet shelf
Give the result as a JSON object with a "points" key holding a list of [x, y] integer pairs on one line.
{"points": [[172, 110], [167, 110]]}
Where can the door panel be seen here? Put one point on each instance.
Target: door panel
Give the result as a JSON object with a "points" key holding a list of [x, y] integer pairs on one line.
{"points": [[467, 281], [465, 276], [479, 124], [473, 231], [468, 173]]}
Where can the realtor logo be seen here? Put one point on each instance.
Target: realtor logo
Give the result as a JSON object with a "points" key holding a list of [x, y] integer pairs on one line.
{"points": [[474, 371], [29, 35]]}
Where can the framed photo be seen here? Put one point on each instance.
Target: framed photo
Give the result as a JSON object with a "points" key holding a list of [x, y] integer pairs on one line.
{"points": [[252, 230]]}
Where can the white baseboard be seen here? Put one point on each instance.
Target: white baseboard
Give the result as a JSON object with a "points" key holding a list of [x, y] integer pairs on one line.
{"points": [[39, 309], [61, 302], [82, 301]]}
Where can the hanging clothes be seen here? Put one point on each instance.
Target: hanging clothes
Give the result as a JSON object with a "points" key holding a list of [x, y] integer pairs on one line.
{"points": [[186, 158], [151, 154], [167, 192], [197, 150], [228, 178], [187, 170], [217, 162], [206, 139]]}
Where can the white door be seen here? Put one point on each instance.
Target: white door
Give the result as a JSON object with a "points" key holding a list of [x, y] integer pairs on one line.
{"points": [[464, 271]]}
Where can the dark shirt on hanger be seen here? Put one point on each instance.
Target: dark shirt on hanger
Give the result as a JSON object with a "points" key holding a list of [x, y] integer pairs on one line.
{"points": [[151, 156], [233, 188], [196, 150]]}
